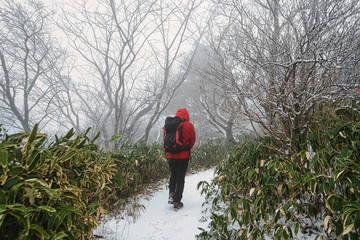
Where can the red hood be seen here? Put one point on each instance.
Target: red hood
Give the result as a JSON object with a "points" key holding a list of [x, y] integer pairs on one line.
{"points": [[183, 114]]}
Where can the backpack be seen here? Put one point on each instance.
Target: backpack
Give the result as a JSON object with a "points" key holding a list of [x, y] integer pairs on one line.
{"points": [[173, 135]]}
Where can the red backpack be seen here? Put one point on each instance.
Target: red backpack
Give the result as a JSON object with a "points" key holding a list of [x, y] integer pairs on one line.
{"points": [[173, 135]]}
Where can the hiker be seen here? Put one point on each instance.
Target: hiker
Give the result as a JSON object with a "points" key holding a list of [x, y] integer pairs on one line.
{"points": [[178, 154]]}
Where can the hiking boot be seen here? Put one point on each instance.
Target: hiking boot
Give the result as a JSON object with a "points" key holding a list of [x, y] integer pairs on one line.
{"points": [[171, 199], [178, 205]]}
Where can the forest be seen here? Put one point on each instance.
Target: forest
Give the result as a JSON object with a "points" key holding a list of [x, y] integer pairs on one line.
{"points": [[272, 88]]}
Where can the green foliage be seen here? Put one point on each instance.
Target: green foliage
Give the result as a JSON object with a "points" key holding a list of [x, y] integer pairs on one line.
{"points": [[210, 154], [59, 190], [136, 164], [258, 193], [51, 192]]}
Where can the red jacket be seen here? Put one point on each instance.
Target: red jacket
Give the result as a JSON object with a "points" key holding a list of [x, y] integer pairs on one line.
{"points": [[188, 134]]}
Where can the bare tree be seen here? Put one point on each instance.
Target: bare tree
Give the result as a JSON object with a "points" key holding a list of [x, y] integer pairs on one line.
{"points": [[177, 31], [110, 37], [131, 83], [68, 103], [287, 57], [28, 54], [220, 109], [215, 97]]}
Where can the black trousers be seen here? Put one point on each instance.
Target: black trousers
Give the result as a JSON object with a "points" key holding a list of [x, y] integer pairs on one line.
{"points": [[178, 168]]}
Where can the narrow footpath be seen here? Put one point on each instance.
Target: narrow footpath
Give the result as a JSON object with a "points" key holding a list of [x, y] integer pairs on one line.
{"points": [[159, 220]]}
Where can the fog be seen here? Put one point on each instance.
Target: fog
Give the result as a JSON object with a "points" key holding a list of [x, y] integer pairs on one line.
{"points": [[120, 67]]}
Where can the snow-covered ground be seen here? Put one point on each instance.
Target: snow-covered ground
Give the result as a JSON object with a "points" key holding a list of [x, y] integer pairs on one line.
{"points": [[159, 220]]}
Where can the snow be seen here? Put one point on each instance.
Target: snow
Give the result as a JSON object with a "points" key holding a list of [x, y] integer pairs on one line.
{"points": [[159, 219]]}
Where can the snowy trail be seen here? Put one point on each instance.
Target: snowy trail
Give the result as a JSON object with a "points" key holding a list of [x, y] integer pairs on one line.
{"points": [[160, 220]]}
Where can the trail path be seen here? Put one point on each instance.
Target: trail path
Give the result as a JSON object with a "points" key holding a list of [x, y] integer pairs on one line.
{"points": [[159, 220]]}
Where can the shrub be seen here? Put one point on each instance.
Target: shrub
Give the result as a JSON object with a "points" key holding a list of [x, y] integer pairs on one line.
{"points": [[51, 192], [59, 190], [136, 164], [210, 154], [258, 193]]}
